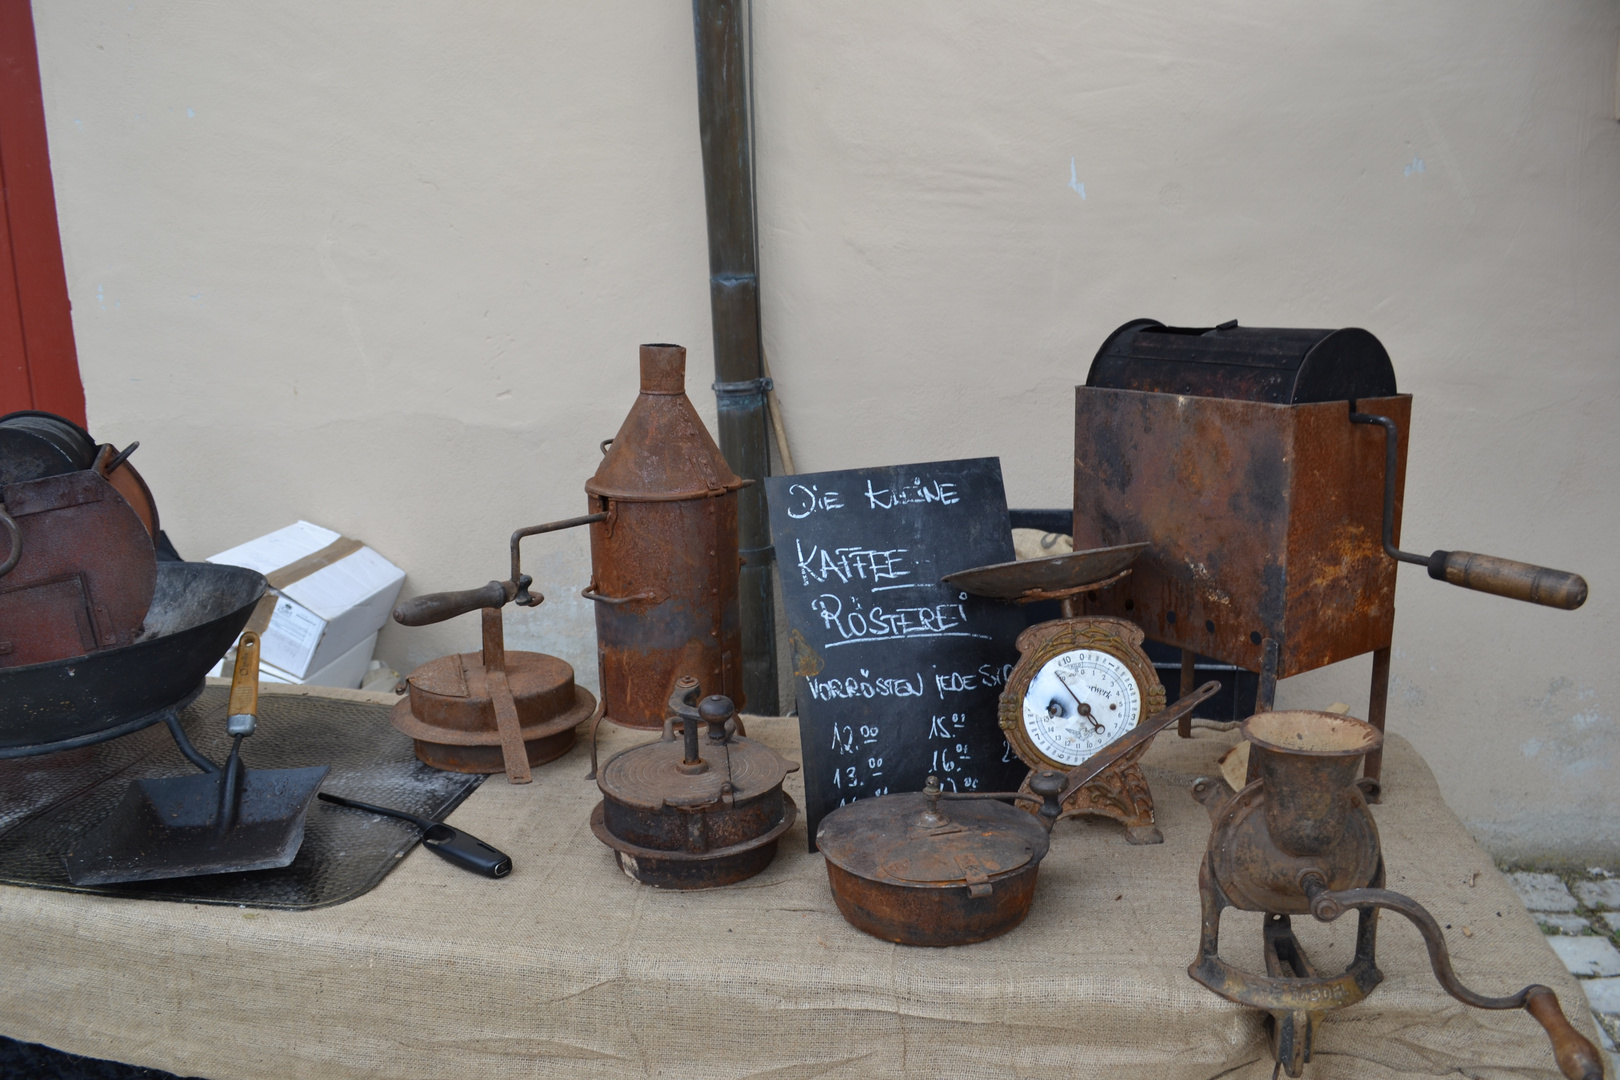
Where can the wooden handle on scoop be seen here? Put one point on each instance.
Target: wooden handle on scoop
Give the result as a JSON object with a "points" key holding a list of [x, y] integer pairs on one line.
{"points": [[245, 678]]}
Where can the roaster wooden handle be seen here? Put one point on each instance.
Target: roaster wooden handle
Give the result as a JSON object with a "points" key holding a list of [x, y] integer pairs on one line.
{"points": [[439, 606], [1505, 577], [245, 678], [1577, 1058]]}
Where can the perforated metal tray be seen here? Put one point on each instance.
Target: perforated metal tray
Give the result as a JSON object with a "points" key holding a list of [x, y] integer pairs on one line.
{"points": [[47, 802]]}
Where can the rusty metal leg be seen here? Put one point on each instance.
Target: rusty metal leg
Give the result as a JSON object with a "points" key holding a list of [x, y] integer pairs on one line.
{"points": [[595, 722], [1188, 681], [1265, 697], [1377, 702], [507, 724]]}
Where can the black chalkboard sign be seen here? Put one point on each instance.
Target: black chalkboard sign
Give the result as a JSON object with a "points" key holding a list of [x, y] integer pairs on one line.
{"points": [[897, 674]]}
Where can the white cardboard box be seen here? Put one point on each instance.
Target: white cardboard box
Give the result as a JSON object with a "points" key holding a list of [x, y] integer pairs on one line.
{"points": [[347, 671], [322, 618]]}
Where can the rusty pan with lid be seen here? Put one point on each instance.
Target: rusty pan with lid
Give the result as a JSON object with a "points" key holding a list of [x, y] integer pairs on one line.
{"points": [[951, 868]]}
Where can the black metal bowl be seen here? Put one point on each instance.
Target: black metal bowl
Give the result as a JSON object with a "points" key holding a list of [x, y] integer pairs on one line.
{"points": [[196, 614]]}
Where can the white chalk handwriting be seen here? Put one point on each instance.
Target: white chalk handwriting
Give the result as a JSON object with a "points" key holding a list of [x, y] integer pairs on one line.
{"points": [[846, 564], [918, 491], [858, 625], [806, 499]]}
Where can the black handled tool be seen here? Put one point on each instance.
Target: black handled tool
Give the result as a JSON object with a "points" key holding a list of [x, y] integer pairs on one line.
{"points": [[463, 849]]}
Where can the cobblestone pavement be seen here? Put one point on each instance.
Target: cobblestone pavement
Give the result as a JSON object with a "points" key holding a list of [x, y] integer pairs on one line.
{"points": [[1580, 914]]}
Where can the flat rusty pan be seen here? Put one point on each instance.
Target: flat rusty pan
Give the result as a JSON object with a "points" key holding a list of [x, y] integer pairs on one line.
{"points": [[1040, 579]]}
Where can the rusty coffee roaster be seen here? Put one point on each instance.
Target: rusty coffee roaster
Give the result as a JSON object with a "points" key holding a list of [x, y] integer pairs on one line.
{"points": [[664, 575], [697, 810], [664, 560], [1299, 839], [1265, 469]]}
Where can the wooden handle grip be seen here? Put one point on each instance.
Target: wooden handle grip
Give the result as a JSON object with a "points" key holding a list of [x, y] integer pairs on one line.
{"points": [[439, 606], [245, 678], [1505, 577], [1577, 1058]]}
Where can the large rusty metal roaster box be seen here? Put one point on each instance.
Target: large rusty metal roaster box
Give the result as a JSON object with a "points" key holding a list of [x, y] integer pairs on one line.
{"points": [[1263, 517]]}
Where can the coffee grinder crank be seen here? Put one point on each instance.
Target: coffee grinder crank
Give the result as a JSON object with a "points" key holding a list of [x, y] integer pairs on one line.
{"points": [[482, 712], [1300, 840]]}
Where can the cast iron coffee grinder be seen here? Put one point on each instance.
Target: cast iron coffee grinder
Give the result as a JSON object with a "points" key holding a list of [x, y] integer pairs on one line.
{"points": [[1300, 840]]}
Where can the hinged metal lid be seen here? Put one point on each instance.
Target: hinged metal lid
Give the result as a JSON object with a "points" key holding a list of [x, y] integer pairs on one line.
{"points": [[894, 838], [1249, 363], [662, 452]]}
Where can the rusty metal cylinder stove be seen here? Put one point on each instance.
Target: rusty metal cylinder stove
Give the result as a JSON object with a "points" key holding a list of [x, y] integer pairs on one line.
{"points": [[664, 564], [1300, 839]]}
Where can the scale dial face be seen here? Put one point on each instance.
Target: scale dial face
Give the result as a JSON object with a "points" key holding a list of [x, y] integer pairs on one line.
{"points": [[1078, 702]]}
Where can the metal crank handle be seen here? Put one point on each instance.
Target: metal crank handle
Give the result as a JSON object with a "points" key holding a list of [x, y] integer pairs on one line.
{"points": [[1506, 577], [439, 606], [522, 580], [1482, 573], [1088, 770], [1577, 1058]]}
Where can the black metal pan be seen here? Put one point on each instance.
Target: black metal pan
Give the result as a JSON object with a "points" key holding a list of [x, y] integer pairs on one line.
{"points": [[197, 612]]}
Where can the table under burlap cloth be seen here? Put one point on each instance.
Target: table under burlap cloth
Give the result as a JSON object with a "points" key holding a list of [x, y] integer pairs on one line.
{"points": [[569, 969]]}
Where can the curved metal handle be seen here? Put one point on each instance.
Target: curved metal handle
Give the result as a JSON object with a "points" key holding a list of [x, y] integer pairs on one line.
{"points": [[437, 607], [1482, 573], [522, 581], [590, 593], [1577, 1058], [14, 534]]}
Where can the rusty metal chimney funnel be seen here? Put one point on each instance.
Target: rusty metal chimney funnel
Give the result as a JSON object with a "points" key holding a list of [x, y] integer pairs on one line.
{"points": [[664, 565]]}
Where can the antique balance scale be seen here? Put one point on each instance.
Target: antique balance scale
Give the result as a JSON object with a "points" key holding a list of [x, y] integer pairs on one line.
{"points": [[1080, 684]]}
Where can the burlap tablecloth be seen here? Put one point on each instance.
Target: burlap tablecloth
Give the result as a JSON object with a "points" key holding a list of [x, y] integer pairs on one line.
{"points": [[569, 969]]}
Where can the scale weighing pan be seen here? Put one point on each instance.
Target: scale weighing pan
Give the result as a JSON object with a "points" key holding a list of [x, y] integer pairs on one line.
{"points": [[223, 821], [1048, 578]]}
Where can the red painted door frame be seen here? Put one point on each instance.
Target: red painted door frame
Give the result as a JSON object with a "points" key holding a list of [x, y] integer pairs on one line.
{"points": [[39, 367]]}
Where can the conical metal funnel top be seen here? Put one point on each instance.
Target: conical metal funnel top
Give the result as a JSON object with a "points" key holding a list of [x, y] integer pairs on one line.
{"points": [[662, 451]]}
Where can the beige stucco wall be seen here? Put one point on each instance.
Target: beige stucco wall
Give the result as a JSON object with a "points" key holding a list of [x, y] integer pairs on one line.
{"points": [[386, 266]]}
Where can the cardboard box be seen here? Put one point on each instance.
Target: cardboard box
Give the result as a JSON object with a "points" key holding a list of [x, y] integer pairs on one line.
{"points": [[347, 671], [319, 619]]}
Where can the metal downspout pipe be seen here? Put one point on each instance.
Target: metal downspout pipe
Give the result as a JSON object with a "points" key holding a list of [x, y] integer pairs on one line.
{"points": [[740, 386]]}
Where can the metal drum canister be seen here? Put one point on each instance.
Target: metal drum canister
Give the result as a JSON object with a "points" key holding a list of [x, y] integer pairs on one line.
{"points": [[664, 565]]}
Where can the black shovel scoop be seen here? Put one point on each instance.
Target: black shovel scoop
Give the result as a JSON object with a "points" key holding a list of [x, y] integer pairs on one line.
{"points": [[223, 821]]}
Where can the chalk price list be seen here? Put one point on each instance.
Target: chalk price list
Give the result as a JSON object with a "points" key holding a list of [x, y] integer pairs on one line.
{"points": [[898, 673]]}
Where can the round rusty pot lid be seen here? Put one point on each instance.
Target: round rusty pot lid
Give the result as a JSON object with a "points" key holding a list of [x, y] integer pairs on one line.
{"points": [[652, 776], [897, 840]]}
